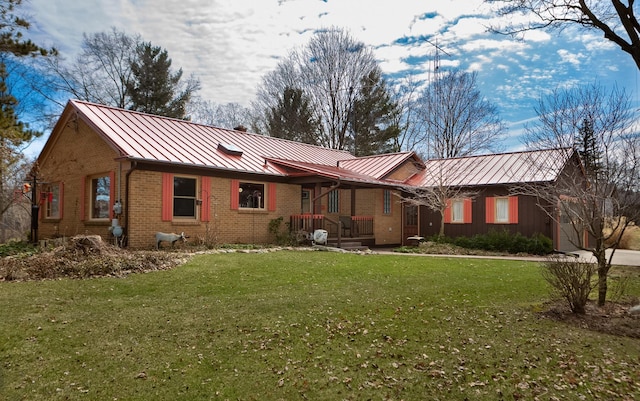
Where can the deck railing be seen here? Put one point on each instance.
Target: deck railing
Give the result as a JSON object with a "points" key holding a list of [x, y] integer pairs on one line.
{"points": [[306, 222], [363, 225], [359, 225]]}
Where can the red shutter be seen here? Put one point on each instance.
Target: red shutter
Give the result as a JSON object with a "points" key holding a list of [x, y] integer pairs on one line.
{"points": [[467, 211], [205, 189], [61, 199], [513, 210], [167, 196], [447, 212], [235, 194], [490, 210], [272, 196], [83, 197], [112, 192]]}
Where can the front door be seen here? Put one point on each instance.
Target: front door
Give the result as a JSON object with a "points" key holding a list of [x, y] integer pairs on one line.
{"points": [[306, 201], [410, 223]]}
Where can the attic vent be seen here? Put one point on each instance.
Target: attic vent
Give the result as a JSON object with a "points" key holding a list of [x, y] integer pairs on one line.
{"points": [[230, 149]]}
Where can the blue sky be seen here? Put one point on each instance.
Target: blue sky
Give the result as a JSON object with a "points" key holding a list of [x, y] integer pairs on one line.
{"points": [[230, 44]]}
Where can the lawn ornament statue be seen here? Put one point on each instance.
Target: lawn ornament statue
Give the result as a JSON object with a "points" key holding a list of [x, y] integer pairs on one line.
{"points": [[173, 238]]}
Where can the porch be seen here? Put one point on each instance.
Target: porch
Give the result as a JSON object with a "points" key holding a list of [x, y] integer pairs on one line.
{"points": [[343, 232]]}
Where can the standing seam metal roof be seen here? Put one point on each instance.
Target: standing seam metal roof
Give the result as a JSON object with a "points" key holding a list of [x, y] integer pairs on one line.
{"points": [[504, 168], [147, 137]]}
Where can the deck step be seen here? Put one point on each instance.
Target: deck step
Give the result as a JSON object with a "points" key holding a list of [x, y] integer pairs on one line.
{"points": [[349, 245]]}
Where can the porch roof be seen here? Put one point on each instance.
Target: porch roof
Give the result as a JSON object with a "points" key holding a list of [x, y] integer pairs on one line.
{"points": [[333, 173], [378, 166]]}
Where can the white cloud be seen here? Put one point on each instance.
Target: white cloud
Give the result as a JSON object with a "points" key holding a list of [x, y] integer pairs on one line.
{"points": [[569, 57], [230, 44]]}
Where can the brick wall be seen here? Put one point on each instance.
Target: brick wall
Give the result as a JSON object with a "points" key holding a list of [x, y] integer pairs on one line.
{"points": [[75, 154], [226, 225]]}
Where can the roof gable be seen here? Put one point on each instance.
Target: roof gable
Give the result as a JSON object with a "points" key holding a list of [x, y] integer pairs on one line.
{"points": [[146, 137], [380, 166]]}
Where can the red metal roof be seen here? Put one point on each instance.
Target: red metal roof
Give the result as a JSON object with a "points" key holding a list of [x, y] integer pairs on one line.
{"points": [[504, 168], [148, 137], [140, 136], [332, 172], [377, 166]]}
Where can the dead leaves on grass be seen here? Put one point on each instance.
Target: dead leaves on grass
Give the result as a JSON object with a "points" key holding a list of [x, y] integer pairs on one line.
{"points": [[474, 355]]}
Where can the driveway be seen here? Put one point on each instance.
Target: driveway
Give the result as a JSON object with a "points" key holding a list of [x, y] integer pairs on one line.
{"points": [[622, 257]]}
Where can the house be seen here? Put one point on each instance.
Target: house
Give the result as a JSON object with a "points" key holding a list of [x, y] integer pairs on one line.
{"points": [[126, 175], [501, 186]]}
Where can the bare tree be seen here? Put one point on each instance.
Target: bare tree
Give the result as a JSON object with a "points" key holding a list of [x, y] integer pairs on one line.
{"points": [[600, 197], [100, 73], [457, 119], [330, 70], [411, 127], [436, 192], [228, 115], [615, 19], [14, 205]]}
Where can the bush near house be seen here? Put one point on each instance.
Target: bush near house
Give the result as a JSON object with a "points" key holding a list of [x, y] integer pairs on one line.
{"points": [[502, 241]]}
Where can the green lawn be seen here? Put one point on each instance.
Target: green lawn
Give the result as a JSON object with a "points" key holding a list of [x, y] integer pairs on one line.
{"points": [[305, 326]]}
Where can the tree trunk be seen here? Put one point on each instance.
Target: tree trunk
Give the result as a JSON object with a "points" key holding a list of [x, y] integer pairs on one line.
{"points": [[602, 286], [603, 270], [441, 233]]}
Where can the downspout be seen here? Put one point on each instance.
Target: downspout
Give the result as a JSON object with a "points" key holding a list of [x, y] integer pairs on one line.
{"points": [[134, 165]]}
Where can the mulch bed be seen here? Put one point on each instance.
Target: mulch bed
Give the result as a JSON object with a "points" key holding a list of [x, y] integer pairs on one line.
{"points": [[613, 318]]}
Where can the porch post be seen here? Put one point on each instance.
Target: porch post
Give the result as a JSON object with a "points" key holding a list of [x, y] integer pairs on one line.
{"points": [[353, 202], [316, 204]]}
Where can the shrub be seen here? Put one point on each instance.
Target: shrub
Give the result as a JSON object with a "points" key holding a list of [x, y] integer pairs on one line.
{"points": [[571, 280], [17, 248], [282, 235], [505, 241]]}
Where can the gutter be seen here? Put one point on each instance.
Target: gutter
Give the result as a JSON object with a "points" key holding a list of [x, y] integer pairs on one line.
{"points": [[134, 166]]}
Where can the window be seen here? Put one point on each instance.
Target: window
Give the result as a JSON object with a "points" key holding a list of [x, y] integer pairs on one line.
{"points": [[52, 201], [334, 201], [457, 211], [251, 195], [386, 202], [502, 210], [100, 197], [184, 197]]}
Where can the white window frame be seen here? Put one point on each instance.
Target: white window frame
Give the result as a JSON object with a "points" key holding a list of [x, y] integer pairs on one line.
{"points": [[502, 204], [193, 198], [54, 204], [99, 212], [457, 211]]}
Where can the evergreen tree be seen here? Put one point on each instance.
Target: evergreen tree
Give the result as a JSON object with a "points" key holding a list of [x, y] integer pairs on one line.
{"points": [[292, 118], [373, 117], [586, 145], [155, 89]]}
